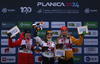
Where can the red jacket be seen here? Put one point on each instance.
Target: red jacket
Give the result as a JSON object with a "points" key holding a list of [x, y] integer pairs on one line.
{"points": [[23, 57]]}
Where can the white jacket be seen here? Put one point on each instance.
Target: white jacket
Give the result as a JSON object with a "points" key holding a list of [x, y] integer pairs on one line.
{"points": [[49, 53]]}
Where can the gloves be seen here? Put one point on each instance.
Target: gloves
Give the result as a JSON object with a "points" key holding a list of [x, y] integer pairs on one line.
{"points": [[62, 57], [9, 34], [83, 33]]}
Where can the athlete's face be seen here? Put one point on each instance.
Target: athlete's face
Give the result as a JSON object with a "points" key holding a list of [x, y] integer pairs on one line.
{"points": [[64, 32], [49, 36], [27, 35]]}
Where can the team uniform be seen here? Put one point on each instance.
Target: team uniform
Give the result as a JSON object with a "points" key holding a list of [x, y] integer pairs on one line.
{"points": [[47, 48], [26, 48], [48, 55], [67, 43]]}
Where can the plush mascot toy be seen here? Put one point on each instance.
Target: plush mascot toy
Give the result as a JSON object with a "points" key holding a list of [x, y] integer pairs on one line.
{"points": [[37, 48]]}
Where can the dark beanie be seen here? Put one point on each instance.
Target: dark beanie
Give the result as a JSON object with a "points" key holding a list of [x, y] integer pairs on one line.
{"points": [[26, 30]]}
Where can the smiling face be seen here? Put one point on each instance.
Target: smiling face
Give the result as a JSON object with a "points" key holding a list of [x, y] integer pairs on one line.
{"points": [[49, 36], [27, 35], [64, 32]]}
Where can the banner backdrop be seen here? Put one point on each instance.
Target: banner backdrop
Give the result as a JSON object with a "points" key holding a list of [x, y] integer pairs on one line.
{"points": [[54, 14]]}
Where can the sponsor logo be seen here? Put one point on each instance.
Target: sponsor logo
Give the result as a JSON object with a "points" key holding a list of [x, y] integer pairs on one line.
{"points": [[91, 24], [88, 10], [73, 24], [77, 50], [90, 58], [56, 33], [57, 24], [5, 41], [4, 33], [41, 33], [45, 25], [5, 10], [54, 40], [73, 33], [5, 50], [90, 41], [37, 58], [93, 33], [40, 11], [8, 24], [26, 10], [77, 59], [25, 24], [90, 50], [8, 59], [58, 4], [4, 59]]}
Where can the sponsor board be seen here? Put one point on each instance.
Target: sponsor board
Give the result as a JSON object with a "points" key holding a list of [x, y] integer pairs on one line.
{"points": [[25, 24], [8, 59], [92, 33], [5, 41], [74, 24], [57, 24], [77, 50], [45, 25], [91, 50], [56, 33], [91, 24], [90, 58], [41, 33], [77, 59], [4, 33], [90, 41], [38, 58], [8, 24], [6, 50]]}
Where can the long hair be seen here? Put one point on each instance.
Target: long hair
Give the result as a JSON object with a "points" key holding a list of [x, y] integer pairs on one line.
{"points": [[47, 32], [45, 40]]}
